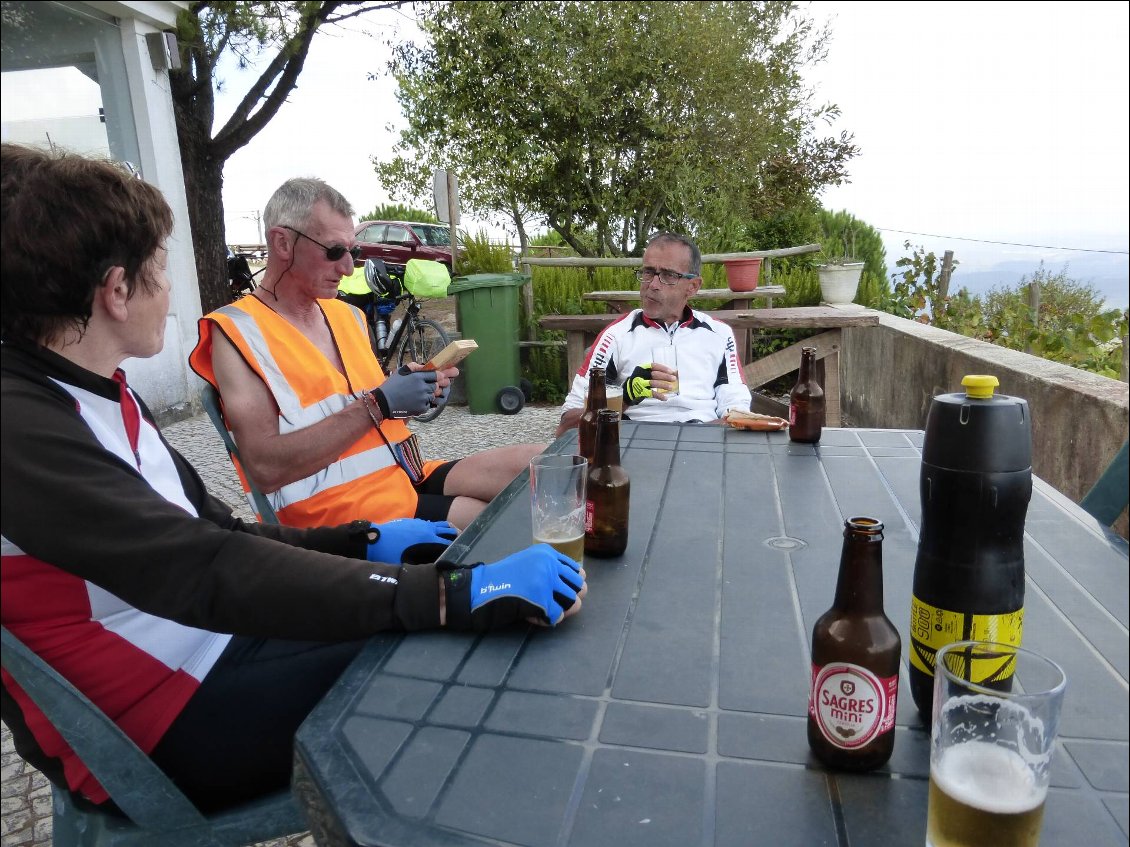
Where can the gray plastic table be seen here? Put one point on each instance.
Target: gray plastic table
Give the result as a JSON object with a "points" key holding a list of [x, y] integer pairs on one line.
{"points": [[671, 711]]}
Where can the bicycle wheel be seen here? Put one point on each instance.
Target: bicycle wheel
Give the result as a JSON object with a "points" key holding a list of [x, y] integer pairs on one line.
{"points": [[421, 341]]}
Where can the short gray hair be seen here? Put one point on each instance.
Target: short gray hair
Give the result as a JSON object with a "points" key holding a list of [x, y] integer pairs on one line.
{"points": [[294, 200], [675, 238]]}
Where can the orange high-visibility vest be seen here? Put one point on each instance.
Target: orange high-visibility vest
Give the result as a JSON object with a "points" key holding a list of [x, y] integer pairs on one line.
{"points": [[366, 482]]}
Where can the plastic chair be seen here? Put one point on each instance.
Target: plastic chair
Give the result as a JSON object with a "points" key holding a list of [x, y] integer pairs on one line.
{"points": [[158, 813], [211, 400], [1109, 496]]}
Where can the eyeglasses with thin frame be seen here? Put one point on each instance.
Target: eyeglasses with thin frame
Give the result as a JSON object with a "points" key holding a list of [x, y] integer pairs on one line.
{"points": [[334, 253], [667, 276]]}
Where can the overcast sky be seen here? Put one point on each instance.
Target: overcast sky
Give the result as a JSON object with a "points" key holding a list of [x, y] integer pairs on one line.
{"points": [[989, 121], [985, 120]]}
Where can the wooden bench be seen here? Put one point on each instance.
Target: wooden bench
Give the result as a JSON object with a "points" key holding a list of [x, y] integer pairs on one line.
{"points": [[620, 302], [625, 301], [581, 331]]}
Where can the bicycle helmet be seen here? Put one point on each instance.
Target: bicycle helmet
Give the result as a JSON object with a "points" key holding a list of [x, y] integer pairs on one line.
{"points": [[378, 280]]}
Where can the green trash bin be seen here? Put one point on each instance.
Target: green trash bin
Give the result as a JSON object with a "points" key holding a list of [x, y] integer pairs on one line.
{"points": [[487, 305]]}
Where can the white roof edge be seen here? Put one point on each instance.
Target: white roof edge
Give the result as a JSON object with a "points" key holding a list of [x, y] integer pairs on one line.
{"points": [[161, 14]]}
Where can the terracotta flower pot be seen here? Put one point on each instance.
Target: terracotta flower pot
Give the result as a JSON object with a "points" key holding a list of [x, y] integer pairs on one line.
{"points": [[839, 283], [742, 274]]}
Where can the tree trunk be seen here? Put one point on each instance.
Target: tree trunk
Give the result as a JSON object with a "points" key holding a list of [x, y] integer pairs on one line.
{"points": [[565, 230], [194, 108], [204, 191], [202, 155], [529, 328], [523, 236]]}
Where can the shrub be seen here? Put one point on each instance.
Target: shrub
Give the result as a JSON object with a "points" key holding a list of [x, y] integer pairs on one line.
{"points": [[477, 255], [1072, 327], [846, 237], [557, 291], [400, 212]]}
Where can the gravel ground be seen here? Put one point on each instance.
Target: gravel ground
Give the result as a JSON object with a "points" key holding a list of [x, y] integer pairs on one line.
{"points": [[26, 795]]}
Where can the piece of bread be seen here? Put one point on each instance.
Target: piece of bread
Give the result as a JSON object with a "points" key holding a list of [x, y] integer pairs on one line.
{"points": [[452, 354], [752, 420]]}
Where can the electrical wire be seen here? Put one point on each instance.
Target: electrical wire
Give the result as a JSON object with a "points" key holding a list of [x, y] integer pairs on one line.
{"points": [[1006, 243]]}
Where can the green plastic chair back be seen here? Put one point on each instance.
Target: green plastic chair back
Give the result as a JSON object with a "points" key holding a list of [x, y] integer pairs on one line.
{"points": [[158, 813], [210, 398], [1108, 497]]}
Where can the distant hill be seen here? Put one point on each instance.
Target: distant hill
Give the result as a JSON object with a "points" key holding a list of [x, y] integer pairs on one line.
{"points": [[1113, 289], [982, 267]]}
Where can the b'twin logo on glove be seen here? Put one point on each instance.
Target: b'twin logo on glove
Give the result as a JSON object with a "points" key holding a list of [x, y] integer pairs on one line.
{"points": [[376, 577], [490, 588]]}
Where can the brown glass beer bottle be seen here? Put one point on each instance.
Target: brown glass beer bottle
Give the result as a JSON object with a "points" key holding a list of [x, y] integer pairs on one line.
{"points": [[597, 399], [855, 660], [806, 401], [608, 492]]}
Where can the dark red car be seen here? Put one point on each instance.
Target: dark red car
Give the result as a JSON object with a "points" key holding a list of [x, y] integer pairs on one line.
{"points": [[398, 241]]}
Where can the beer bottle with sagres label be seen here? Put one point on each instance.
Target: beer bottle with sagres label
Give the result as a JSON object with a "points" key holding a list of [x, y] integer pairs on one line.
{"points": [[855, 660]]}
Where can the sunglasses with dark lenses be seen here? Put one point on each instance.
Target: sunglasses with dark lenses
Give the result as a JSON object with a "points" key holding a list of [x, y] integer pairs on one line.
{"points": [[332, 253]]}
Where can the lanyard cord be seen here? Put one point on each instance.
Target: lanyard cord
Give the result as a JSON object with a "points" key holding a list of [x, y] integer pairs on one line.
{"points": [[396, 454]]}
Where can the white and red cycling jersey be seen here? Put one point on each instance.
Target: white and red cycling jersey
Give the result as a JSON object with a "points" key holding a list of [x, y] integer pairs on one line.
{"points": [[124, 574], [710, 372]]}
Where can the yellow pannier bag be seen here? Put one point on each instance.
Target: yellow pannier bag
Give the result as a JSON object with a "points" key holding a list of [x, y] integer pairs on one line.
{"points": [[425, 278]]}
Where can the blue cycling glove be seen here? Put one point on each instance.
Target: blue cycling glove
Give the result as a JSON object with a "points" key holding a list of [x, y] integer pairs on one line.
{"points": [[637, 387], [409, 541], [443, 392], [407, 393], [537, 582]]}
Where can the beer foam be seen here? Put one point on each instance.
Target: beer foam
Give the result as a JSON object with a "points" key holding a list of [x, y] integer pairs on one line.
{"points": [[988, 777]]}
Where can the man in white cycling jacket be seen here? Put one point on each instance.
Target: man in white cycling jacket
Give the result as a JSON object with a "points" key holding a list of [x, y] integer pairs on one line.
{"points": [[710, 379]]}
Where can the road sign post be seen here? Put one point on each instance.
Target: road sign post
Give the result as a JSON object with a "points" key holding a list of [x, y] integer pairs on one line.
{"points": [[445, 190]]}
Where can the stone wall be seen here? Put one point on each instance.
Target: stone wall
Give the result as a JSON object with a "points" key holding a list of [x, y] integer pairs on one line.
{"points": [[890, 373]]}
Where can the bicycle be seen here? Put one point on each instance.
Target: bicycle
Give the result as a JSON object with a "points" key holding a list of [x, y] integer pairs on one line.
{"points": [[410, 338], [240, 278]]}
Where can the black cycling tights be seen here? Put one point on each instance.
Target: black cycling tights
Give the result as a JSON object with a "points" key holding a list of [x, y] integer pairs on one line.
{"points": [[235, 738]]}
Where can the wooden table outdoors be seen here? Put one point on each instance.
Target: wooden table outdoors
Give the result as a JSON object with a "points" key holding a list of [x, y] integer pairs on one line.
{"points": [[581, 330], [671, 711]]}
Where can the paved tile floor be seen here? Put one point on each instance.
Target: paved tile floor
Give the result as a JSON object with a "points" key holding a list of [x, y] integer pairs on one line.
{"points": [[25, 799]]}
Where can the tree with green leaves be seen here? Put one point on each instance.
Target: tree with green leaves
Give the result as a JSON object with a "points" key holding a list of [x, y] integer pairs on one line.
{"points": [[918, 293], [249, 30], [608, 120]]}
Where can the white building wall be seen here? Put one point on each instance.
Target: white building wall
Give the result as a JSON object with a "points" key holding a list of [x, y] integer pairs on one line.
{"points": [[165, 381], [69, 56]]}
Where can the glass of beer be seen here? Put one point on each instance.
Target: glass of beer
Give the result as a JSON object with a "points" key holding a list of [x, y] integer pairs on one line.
{"points": [[667, 355], [991, 744], [557, 502], [614, 394]]}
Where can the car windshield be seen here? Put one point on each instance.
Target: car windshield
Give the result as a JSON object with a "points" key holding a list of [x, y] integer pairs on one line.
{"points": [[433, 236]]}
